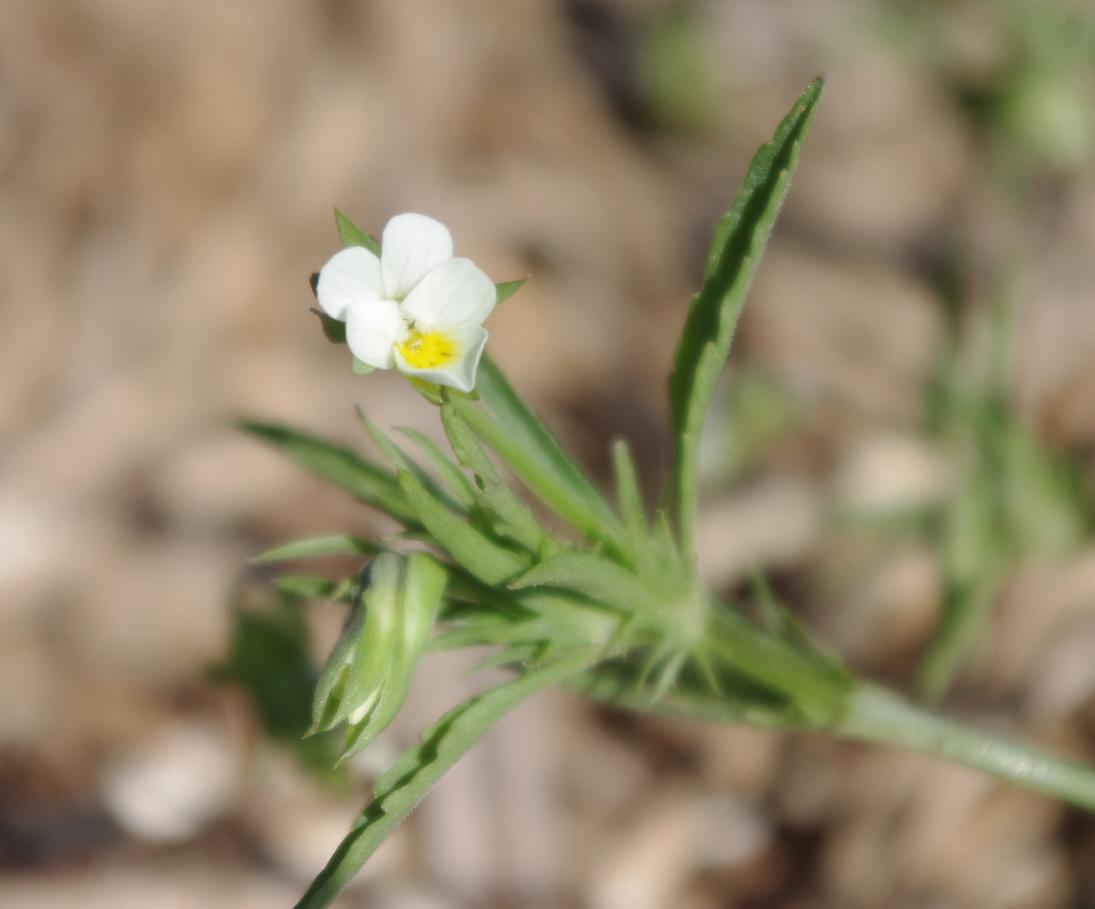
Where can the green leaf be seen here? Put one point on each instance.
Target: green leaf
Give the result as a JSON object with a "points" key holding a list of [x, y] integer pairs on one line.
{"points": [[313, 547], [399, 790], [364, 480], [536, 458], [396, 456], [713, 313], [509, 517], [507, 289], [455, 482], [482, 557], [630, 500], [352, 235], [598, 578], [311, 588], [783, 623]]}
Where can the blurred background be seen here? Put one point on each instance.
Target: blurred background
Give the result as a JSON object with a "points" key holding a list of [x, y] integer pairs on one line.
{"points": [[904, 443]]}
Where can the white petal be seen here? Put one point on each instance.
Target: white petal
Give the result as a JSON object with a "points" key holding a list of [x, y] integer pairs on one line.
{"points": [[454, 294], [412, 245], [458, 373], [349, 277], [372, 329]]}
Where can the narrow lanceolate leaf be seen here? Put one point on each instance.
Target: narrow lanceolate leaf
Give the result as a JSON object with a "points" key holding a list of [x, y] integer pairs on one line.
{"points": [[400, 789], [713, 313], [399, 459], [472, 549], [629, 498], [453, 478], [536, 458], [363, 479], [507, 289], [597, 578], [507, 515], [314, 547], [352, 235]]}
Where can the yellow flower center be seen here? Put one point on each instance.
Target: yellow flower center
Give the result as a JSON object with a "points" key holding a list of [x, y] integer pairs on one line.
{"points": [[427, 350]]}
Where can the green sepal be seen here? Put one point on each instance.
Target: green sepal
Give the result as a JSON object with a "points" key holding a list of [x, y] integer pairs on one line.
{"points": [[431, 391], [506, 289], [376, 644], [360, 368], [351, 235], [333, 330], [331, 685]]}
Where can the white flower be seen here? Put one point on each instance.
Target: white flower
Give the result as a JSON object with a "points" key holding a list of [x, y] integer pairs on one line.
{"points": [[415, 307]]}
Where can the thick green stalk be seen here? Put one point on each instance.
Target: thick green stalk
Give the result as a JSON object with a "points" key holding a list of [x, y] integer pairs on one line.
{"points": [[876, 715]]}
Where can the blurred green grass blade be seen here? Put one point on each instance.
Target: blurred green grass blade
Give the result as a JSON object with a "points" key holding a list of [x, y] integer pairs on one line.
{"points": [[399, 790], [534, 455], [965, 619], [713, 313], [481, 556], [352, 235], [364, 480], [315, 547], [506, 289]]}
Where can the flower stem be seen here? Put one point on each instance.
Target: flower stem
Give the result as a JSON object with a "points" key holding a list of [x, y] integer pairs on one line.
{"points": [[876, 715]]}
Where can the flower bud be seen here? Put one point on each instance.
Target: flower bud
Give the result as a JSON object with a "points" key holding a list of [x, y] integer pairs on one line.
{"points": [[370, 669]]}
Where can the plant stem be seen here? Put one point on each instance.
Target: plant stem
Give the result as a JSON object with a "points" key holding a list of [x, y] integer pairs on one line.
{"points": [[876, 715]]}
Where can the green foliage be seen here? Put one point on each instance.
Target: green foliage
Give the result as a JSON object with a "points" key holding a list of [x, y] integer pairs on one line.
{"points": [[713, 313], [494, 503], [407, 782], [614, 592], [314, 547], [268, 658], [609, 605], [536, 458], [369, 671], [486, 560], [364, 480]]}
